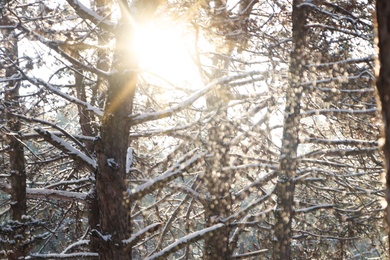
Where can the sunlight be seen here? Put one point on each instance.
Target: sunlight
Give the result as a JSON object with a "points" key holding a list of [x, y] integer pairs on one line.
{"points": [[162, 50]]}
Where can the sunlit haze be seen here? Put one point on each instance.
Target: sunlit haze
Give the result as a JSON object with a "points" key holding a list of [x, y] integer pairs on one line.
{"points": [[163, 50]]}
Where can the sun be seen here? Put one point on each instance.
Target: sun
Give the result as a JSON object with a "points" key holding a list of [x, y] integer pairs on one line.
{"points": [[163, 49]]}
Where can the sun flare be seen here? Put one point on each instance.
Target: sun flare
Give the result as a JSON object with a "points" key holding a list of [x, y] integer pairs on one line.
{"points": [[163, 50]]}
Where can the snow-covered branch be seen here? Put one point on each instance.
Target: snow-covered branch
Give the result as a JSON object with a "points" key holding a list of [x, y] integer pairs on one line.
{"points": [[313, 208], [173, 172], [332, 28], [66, 148], [347, 61], [182, 242], [340, 142], [58, 92], [141, 234], [80, 255], [36, 193], [145, 117], [86, 13], [251, 205], [339, 152], [250, 254], [339, 111], [59, 46], [62, 131]]}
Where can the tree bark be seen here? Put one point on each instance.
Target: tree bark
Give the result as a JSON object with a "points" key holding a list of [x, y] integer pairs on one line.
{"points": [[111, 149], [383, 87], [288, 162], [16, 149], [111, 152]]}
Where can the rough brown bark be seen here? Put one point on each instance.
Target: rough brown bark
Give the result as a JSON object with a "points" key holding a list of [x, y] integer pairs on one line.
{"points": [[383, 86], [16, 149], [111, 154], [114, 213], [288, 162]]}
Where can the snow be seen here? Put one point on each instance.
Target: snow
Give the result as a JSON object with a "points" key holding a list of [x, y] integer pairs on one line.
{"points": [[129, 159], [184, 241], [112, 163]]}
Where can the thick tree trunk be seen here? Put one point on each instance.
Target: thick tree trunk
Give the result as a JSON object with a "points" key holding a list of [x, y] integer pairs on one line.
{"points": [[16, 149], [383, 86], [111, 151], [218, 183], [288, 162]]}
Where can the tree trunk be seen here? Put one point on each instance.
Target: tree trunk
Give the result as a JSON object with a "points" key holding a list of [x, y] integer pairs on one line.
{"points": [[218, 183], [111, 152], [111, 149], [16, 149], [383, 86], [288, 162]]}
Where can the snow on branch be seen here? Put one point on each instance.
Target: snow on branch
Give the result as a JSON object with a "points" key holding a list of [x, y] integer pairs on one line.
{"points": [[56, 46], [339, 111], [182, 242], [332, 28], [75, 244], [338, 142], [250, 254], [129, 159], [141, 234], [145, 117], [36, 193], [86, 13], [66, 148], [173, 172], [58, 92], [80, 255], [313, 208], [62, 131], [339, 152], [62, 195], [243, 211]]}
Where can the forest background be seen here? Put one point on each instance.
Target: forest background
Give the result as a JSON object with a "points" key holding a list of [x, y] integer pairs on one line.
{"points": [[203, 129]]}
